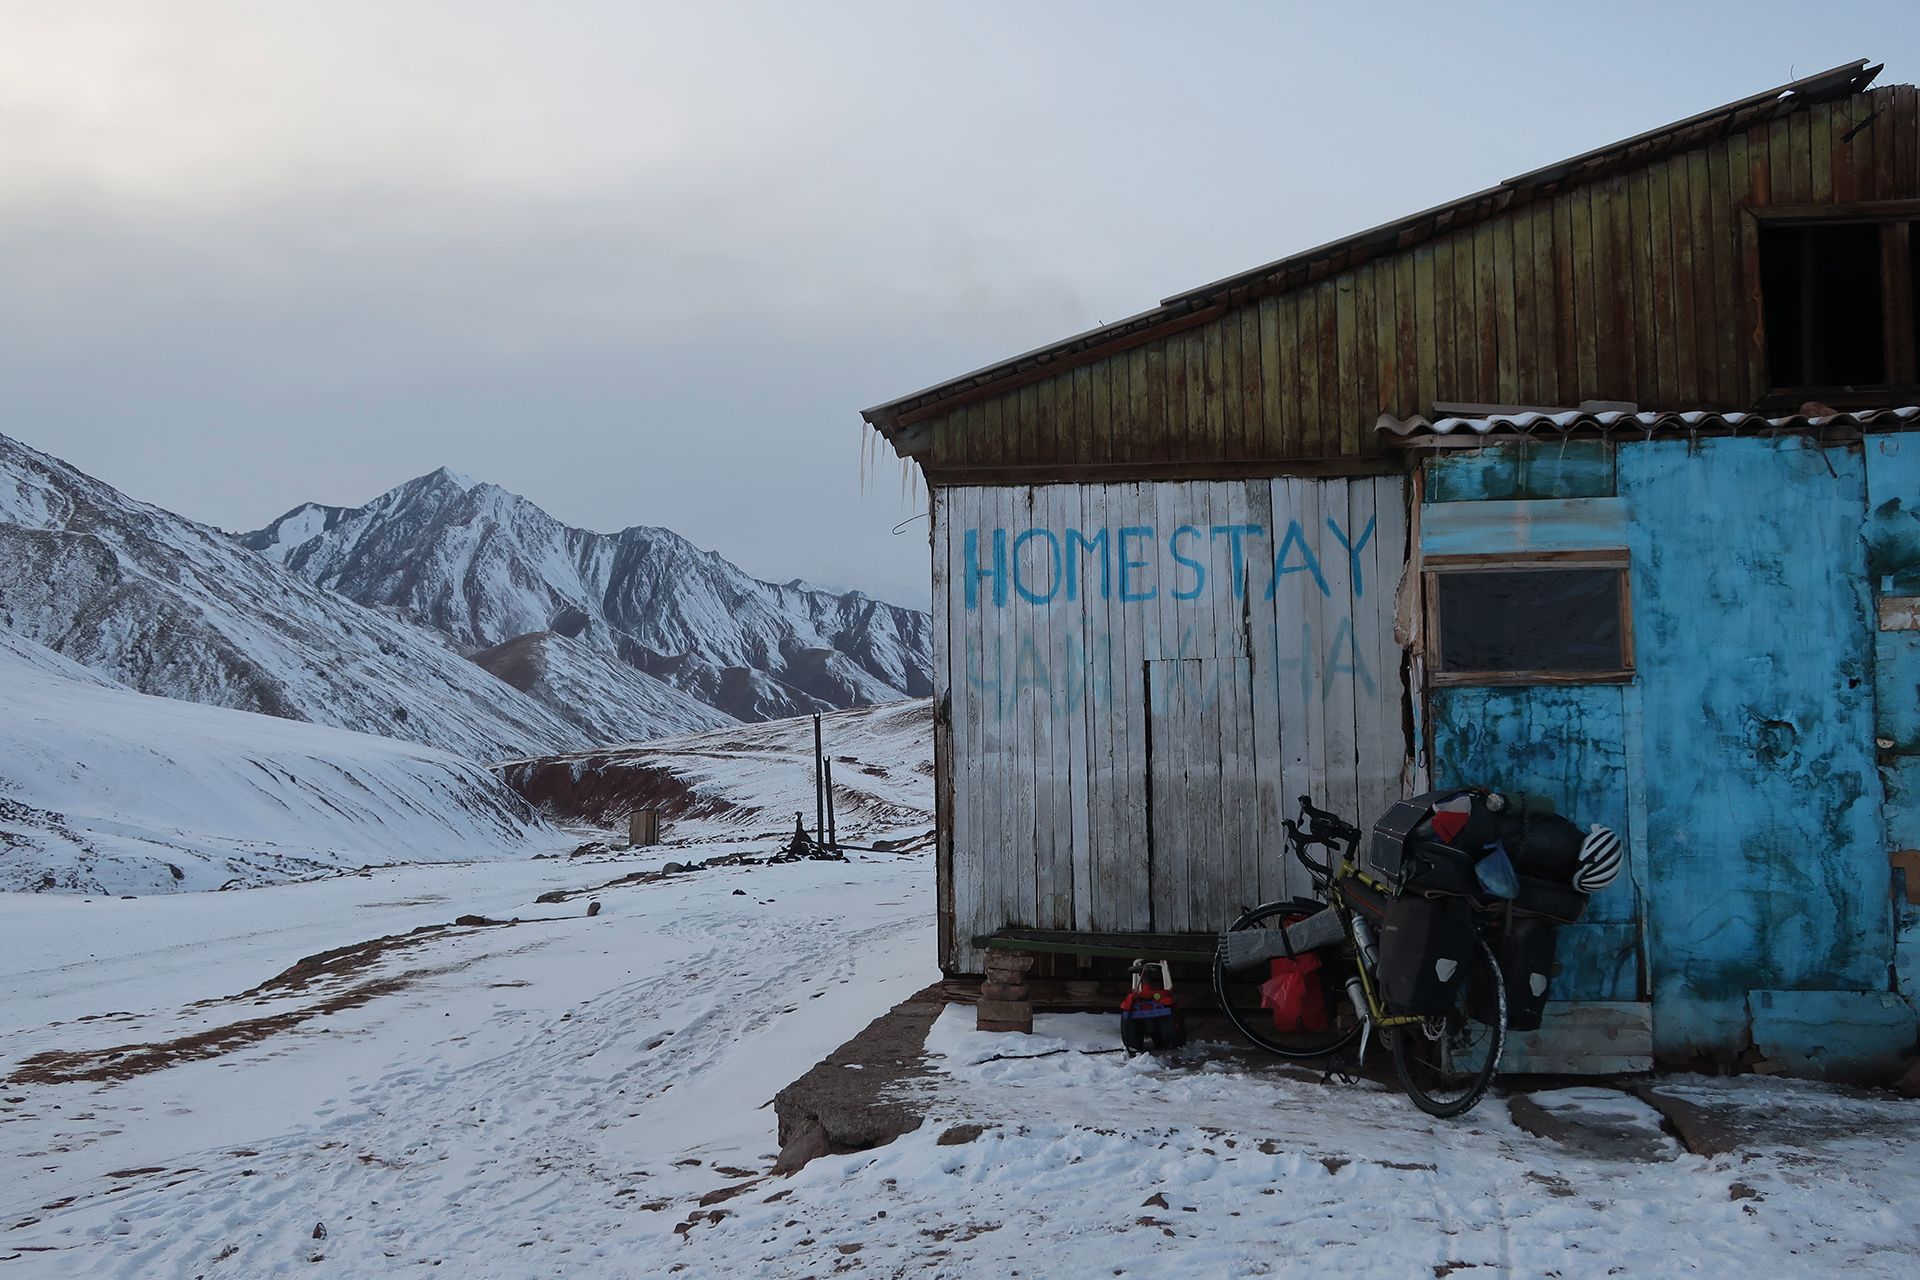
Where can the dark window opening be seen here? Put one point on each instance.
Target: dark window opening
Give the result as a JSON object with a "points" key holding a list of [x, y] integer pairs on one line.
{"points": [[1499, 625], [1913, 288], [1821, 290]]}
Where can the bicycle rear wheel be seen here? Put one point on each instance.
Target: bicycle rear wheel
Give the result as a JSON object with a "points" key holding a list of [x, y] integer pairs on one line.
{"points": [[1239, 992], [1446, 1063]]}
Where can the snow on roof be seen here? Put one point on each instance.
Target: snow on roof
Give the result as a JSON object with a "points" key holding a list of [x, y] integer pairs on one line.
{"points": [[1419, 428]]}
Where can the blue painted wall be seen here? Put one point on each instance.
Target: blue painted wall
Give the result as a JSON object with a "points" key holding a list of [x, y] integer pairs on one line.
{"points": [[1893, 569], [1573, 745], [1754, 646], [1740, 764]]}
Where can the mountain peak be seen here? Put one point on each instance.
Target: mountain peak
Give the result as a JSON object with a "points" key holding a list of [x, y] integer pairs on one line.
{"points": [[465, 482], [487, 567]]}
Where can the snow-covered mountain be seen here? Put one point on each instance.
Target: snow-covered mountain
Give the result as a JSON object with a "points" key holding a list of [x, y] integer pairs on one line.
{"points": [[104, 790], [486, 567], [606, 698], [171, 607]]}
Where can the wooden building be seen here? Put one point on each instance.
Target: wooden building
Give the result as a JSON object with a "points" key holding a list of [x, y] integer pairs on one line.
{"points": [[1220, 554]]}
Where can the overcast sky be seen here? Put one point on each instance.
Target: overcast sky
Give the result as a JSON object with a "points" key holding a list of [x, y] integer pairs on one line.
{"points": [[645, 264]]}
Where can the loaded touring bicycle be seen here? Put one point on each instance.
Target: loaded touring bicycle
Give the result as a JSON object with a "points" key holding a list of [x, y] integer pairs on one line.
{"points": [[1436, 937]]}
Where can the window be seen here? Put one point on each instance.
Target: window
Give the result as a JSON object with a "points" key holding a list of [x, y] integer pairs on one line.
{"points": [[1529, 621], [1913, 293], [1837, 300]]}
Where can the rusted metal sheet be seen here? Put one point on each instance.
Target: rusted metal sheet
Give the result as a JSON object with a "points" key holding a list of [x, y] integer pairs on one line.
{"points": [[1899, 613]]}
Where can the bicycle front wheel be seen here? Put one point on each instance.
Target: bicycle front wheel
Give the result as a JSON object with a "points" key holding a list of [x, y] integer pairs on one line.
{"points": [[1446, 1063], [1239, 992]]}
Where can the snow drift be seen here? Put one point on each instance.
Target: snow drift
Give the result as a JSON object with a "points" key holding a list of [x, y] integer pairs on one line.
{"points": [[105, 790]]}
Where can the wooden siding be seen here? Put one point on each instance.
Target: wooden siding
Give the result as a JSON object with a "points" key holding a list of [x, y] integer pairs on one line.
{"points": [[1134, 681], [1642, 287]]}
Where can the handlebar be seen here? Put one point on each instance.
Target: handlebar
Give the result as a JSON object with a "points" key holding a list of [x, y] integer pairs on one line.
{"points": [[1318, 826]]}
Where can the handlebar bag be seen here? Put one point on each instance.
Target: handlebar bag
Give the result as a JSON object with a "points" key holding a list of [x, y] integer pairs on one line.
{"points": [[1432, 868], [1426, 945], [1459, 817]]}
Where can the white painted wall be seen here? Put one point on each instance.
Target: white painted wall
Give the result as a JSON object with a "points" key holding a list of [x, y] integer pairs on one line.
{"points": [[1142, 677]]}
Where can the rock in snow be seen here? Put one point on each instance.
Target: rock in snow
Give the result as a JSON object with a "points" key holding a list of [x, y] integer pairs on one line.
{"points": [[486, 567], [104, 790]]}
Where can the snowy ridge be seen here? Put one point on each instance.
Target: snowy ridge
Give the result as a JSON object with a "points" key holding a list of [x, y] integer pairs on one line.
{"points": [[171, 607], [484, 567], [108, 791], [607, 699], [745, 778]]}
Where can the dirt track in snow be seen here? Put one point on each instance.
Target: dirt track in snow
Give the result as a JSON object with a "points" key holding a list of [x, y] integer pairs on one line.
{"points": [[551, 1099]]}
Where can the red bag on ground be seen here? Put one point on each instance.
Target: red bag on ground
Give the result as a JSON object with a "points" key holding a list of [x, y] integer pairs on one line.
{"points": [[1295, 993]]}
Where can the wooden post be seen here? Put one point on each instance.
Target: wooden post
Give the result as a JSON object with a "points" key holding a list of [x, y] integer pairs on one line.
{"points": [[819, 790], [833, 837]]}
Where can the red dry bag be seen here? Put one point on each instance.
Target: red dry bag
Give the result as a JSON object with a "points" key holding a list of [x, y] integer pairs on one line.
{"points": [[1295, 993]]}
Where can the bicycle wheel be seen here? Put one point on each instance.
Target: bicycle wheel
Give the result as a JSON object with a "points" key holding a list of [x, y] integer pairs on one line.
{"points": [[1445, 1063], [1239, 993]]}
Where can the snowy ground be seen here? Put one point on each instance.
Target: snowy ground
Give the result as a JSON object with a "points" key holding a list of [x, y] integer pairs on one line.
{"points": [[577, 1095], [1093, 1165], [544, 1098], [108, 791], [557, 1097]]}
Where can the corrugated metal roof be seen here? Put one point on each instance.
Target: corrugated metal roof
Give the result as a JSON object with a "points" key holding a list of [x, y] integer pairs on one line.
{"points": [[1335, 255], [1572, 421]]}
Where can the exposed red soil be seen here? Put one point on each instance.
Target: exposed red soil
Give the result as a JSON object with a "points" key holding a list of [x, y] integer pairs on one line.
{"points": [[604, 788], [126, 1061]]}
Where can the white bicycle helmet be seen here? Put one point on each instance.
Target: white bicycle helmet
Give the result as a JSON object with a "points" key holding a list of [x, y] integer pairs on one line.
{"points": [[1600, 858]]}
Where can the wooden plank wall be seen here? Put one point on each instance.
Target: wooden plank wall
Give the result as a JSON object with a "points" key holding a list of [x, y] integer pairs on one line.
{"points": [[1136, 679], [1640, 287]]}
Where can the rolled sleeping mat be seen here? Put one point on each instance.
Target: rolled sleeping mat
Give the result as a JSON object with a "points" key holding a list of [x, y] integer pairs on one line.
{"points": [[1247, 947], [1600, 860]]}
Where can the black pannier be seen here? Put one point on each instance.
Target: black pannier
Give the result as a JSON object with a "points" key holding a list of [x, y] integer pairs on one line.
{"points": [[1426, 945], [1525, 952]]}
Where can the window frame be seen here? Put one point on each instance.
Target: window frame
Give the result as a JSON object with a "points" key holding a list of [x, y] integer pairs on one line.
{"points": [[1898, 302], [1432, 568]]}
